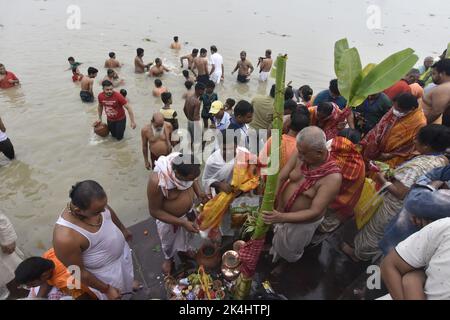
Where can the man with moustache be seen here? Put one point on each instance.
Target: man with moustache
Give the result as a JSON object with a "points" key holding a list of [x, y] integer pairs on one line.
{"points": [[156, 137]]}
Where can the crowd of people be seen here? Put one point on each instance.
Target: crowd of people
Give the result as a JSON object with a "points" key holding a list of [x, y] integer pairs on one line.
{"points": [[398, 139]]}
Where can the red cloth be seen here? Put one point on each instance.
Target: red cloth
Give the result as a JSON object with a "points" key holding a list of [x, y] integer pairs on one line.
{"points": [[311, 177], [400, 87], [331, 124], [113, 105], [77, 77], [4, 84], [353, 170], [249, 256]]}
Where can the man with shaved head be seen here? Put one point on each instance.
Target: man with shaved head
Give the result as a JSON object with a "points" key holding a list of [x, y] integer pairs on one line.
{"points": [[307, 184], [156, 137]]}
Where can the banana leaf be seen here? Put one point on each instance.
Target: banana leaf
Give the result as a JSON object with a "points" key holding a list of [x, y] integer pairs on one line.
{"points": [[368, 68], [387, 73], [349, 72], [339, 47]]}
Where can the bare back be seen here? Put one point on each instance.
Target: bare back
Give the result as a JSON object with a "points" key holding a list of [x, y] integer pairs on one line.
{"points": [[201, 64], [266, 65], [192, 108], [86, 84], [437, 103], [112, 63], [139, 66]]}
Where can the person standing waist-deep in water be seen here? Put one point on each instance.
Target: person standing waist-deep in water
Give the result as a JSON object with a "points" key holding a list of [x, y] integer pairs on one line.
{"points": [[245, 68], [201, 64], [87, 84]]}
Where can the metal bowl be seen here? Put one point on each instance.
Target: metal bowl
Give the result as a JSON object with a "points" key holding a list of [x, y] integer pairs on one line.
{"points": [[230, 259]]}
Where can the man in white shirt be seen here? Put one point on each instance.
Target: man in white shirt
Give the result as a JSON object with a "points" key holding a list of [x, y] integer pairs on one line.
{"points": [[217, 72], [419, 267]]}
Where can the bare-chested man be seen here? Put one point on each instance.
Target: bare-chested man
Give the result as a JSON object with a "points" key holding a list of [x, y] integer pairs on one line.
{"points": [[87, 84], [201, 64], [158, 69], [175, 44], [112, 62], [190, 58], [156, 137], [243, 66], [139, 66], [265, 64], [171, 191], [112, 76], [192, 110], [307, 184], [437, 101]]}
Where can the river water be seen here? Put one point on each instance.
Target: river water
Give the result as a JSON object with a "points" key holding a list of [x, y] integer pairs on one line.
{"points": [[51, 128]]}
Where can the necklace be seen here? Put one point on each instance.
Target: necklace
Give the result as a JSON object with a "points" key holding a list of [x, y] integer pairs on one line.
{"points": [[80, 217]]}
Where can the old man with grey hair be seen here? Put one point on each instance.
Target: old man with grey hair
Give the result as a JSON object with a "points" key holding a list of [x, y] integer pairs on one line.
{"points": [[307, 184]]}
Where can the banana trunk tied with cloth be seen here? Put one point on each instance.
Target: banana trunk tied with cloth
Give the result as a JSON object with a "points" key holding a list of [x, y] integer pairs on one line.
{"points": [[250, 252]]}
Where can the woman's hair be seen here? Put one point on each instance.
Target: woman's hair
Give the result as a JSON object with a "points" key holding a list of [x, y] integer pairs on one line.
{"points": [[290, 106], [351, 134], [435, 136], [83, 193], [32, 269], [288, 93], [406, 101], [306, 92]]}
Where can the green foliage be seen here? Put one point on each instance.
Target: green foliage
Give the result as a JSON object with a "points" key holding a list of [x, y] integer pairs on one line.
{"points": [[356, 84]]}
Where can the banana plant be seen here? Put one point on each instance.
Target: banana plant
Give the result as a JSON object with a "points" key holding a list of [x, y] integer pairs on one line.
{"points": [[357, 83], [277, 124]]}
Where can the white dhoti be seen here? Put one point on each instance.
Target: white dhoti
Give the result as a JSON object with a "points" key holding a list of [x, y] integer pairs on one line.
{"points": [[264, 75], [216, 77], [290, 239], [173, 238]]}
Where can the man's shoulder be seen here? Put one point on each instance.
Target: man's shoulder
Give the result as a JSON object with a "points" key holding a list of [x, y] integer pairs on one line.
{"points": [[332, 179], [153, 183], [440, 89]]}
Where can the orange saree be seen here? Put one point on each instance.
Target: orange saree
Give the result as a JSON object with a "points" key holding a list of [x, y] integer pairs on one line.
{"points": [[344, 152], [395, 136]]}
